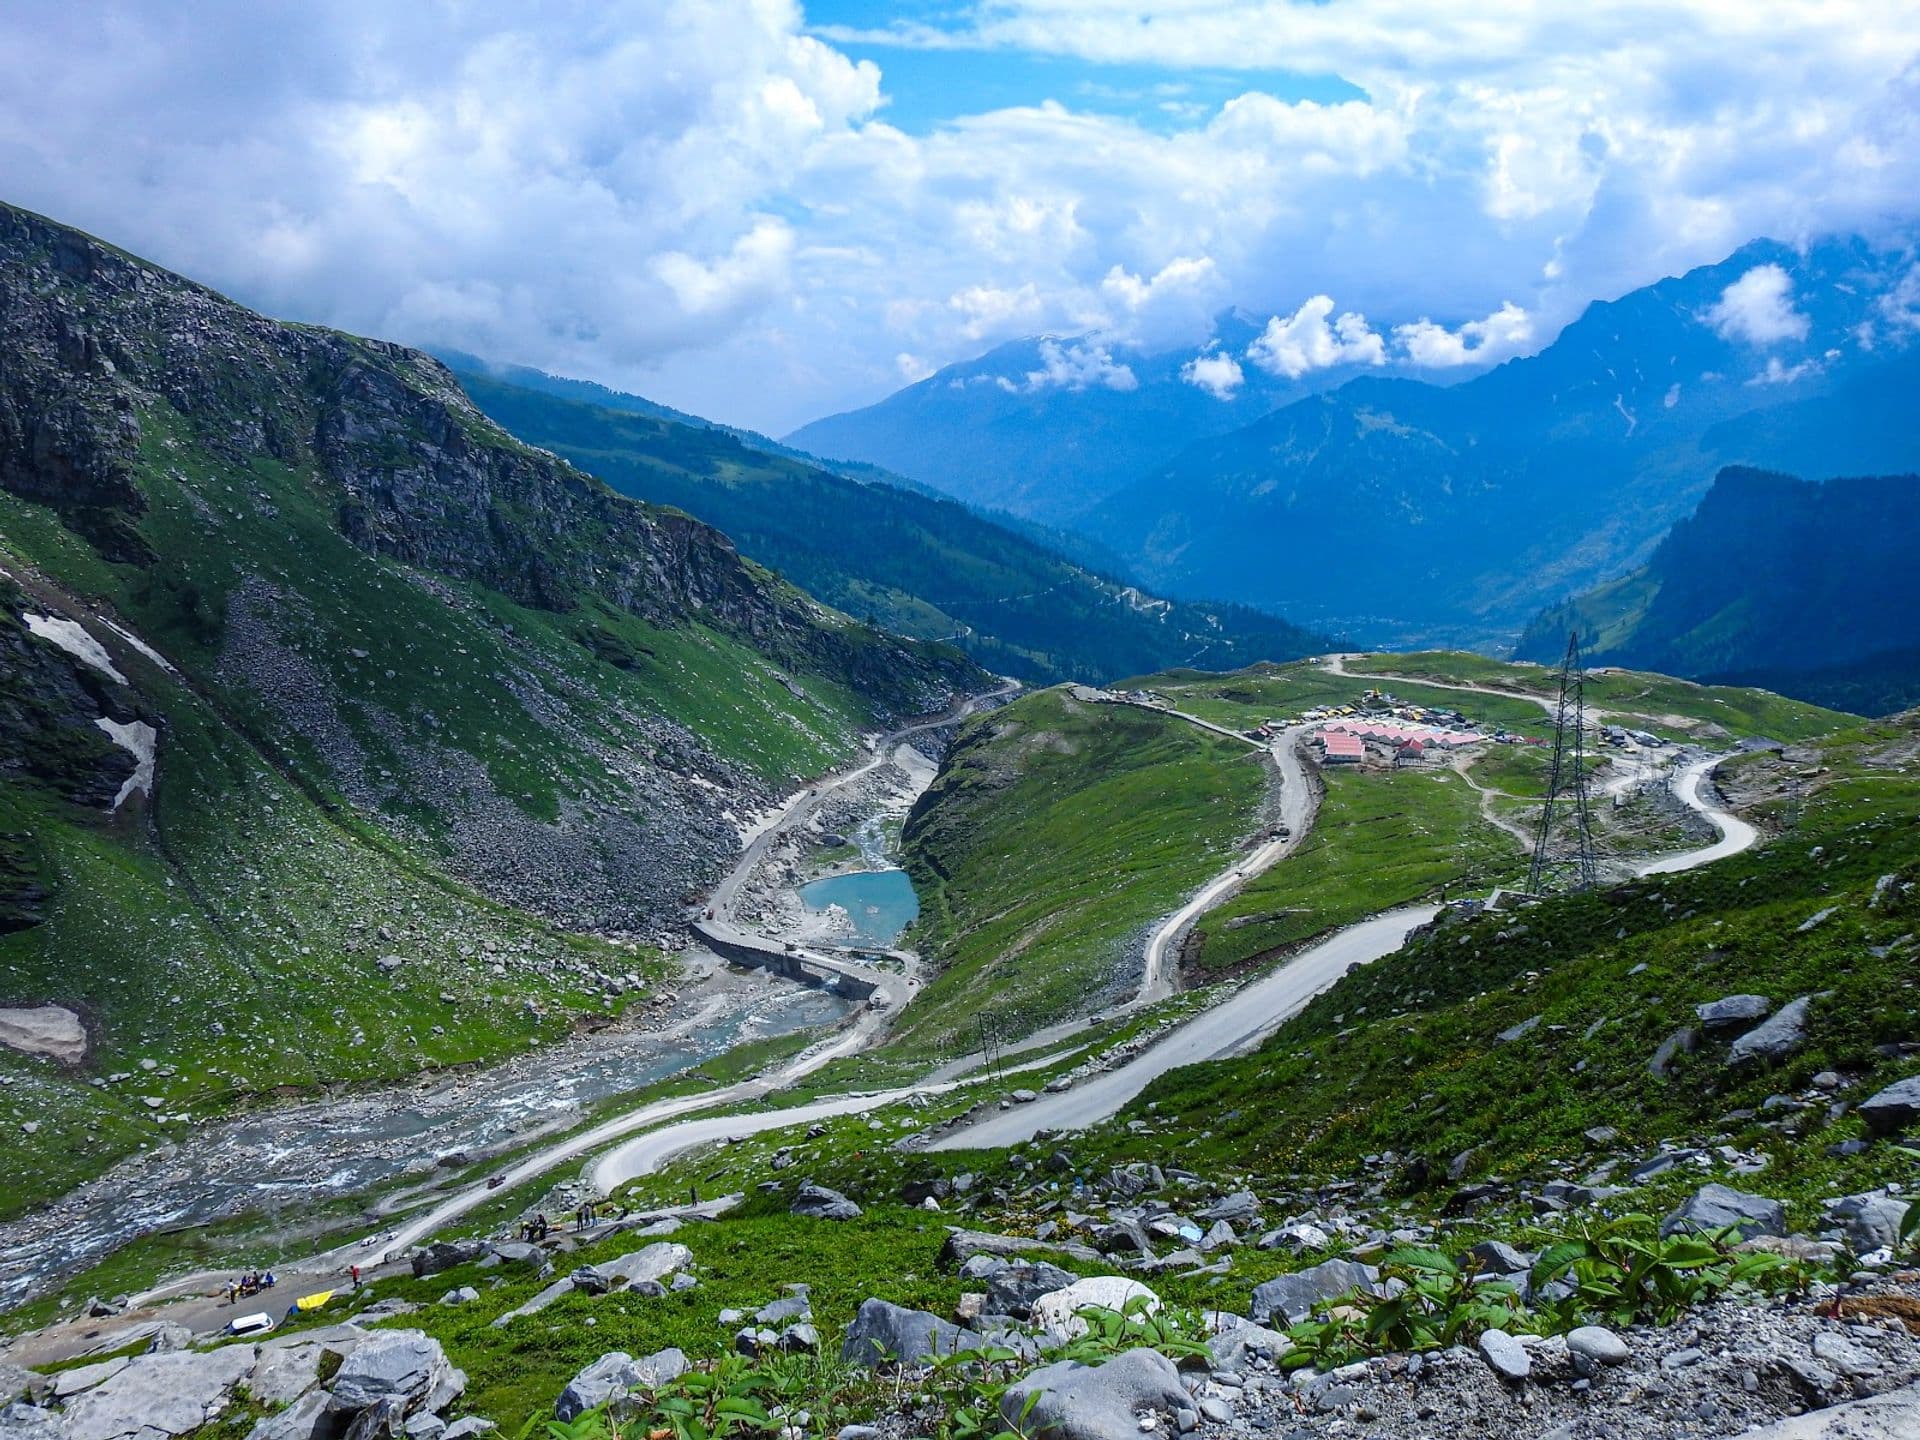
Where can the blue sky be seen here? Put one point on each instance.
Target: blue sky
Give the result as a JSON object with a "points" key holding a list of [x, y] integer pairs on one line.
{"points": [[765, 212], [925, 87]]}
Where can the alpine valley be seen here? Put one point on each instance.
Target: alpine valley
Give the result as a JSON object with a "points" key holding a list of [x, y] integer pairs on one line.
{"points": [[1090, 898]]}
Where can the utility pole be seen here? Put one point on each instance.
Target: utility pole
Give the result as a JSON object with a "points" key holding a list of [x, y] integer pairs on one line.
{"points": [[1567, 788]]}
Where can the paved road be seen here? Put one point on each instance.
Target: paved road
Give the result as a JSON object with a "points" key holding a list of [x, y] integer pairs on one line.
{"points": [[1298, 802], [1255, 1011], [1735, 834], [1236, 1024]]}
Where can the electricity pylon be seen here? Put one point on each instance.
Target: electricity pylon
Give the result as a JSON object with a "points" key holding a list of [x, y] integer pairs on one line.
{"points": [[1568, 859]]}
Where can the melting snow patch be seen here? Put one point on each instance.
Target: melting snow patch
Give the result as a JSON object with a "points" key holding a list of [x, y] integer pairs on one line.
{"points": [[70, 637], [137, 738], [137, 643]]}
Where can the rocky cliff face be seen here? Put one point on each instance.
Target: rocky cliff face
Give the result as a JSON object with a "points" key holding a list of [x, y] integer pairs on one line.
{"points": [[488, 652], [89, 335]]}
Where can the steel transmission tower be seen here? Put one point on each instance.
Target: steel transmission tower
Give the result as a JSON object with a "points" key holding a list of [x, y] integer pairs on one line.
{"points": [[1571, 858]]}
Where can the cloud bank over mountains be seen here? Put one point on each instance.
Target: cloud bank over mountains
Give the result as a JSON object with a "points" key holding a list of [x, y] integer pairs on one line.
{"points": [[714, 204]]}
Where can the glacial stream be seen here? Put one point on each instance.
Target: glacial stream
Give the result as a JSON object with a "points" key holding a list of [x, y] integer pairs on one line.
{"points": [[281, 1161]]}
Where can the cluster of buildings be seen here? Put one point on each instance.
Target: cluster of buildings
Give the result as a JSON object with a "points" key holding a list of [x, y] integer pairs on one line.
{"points": [[1396, 732]]}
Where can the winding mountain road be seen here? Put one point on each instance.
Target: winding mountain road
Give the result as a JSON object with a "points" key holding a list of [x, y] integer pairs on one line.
{"points": [[653, 1134]]}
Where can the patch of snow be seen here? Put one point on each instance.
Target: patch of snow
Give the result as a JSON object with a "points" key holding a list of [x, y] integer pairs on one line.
{"points": [[138, 739], [70, 637], [137, 643]]}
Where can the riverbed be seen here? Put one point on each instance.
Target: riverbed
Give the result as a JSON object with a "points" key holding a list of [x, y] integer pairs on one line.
{"points": [[281, 1161]]}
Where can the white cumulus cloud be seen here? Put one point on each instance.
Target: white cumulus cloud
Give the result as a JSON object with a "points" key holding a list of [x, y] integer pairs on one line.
{"points": [[1080, 365], [1304, 341], [1216, 372], [1758, 308], [1507, 331]]}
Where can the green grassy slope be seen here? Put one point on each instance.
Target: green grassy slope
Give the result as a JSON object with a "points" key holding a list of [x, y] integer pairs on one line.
{"points": [[438, 697], [916, 563], [1660, 703], [1404, 1054], [1055, 833]]}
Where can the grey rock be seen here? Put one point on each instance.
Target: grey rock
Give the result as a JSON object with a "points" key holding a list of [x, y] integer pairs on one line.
{"points": [[445, 1254], [1680, 1042], [801, 1339], [406, 1365], [284, 1373], [1733, 1011], [963, 1245], [1716, 1207], [1870, 1221], [157, 1395], [1517, 1032], [885, 1334], [1893, 1416], [1891, 1110], [467, 1428], [424, 1427], [817, 1202], [1496, 1257], [1845, 1356], [616, 1376], [1012, 1289], [1778, 1037], [1505, 1356], [1239, 1208], [460, 1295], [1598, 1344], [1071, 1401], [310, 1417], [588, 1280], [1292, 1297], [654, 1263], [21, 1421], [1240, 1341], [796, 1306]]}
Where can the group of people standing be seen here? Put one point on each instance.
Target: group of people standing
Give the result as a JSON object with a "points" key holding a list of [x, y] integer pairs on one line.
{"points": [[249, 1285]]}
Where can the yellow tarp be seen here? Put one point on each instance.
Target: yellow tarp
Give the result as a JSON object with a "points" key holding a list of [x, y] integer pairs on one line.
{"points": [[313, 1302]]}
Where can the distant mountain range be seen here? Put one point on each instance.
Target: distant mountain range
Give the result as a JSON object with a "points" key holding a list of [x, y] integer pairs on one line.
{"points": [[877, 547], [1046, 428], [1810, 589], [1403, 512]]}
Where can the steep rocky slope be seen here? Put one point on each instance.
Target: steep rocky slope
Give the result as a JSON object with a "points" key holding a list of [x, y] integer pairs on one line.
{"points": [[1806, 587], [913, 562], [330, 714]]}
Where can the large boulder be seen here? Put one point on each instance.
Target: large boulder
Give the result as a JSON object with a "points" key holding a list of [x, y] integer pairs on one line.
{"points": [[886, 1334], [407, 1366], [1012, 1288], [817, 1202], [655, 1263], [1289, 1298], [1717, 1207], [1870, 1221], [445, 1254], [614, 1378], [158, 1395], [1070, 1401], [1059, 1310], [1893, 1109], [1240, 1208], [1777, 1038]]}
